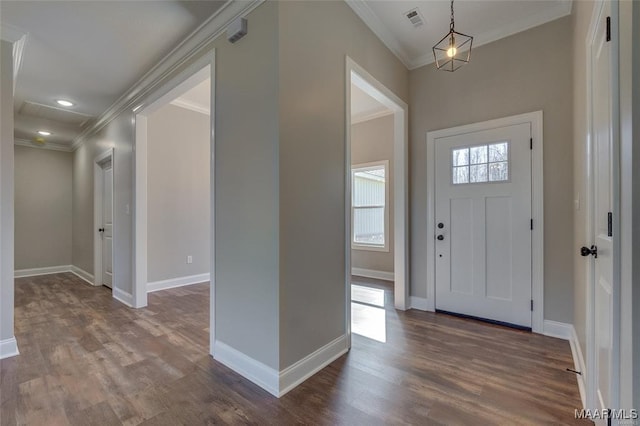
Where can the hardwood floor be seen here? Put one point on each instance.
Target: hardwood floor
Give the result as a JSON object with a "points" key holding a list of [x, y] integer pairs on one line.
{"points": [[87, 359]]}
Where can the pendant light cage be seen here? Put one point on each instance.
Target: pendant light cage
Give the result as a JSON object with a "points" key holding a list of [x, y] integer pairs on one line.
{"points": [[454, 49]]}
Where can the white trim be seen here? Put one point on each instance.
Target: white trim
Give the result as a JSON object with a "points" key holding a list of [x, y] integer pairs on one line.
{"points": [[371, 273], [9, 348], [372, 247], [11, 33], [537, 206], [371, 19], [368, 117], [262, 375], [177, 282], [567, 332], [33, 272], [104, 157], [420, 303], [560, 330], [297, 373], [82, 274], [192, 106], [48, 145], [185, 52], [123, 296], [358, 76], [579, 365]]}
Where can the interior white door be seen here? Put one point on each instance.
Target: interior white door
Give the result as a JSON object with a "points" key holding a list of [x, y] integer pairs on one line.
{"points": [[602, 206], [483, 224], [107, 226]]}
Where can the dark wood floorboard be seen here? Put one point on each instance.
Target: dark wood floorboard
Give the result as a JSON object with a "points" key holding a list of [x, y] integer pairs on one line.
{"points": [[87, 359]]}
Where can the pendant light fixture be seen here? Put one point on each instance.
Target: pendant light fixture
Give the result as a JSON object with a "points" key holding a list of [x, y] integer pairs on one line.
{"points": [[454, 50]]}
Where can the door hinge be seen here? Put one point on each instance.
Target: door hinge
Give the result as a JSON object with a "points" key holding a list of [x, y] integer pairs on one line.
{"points": [[532, 224], [531, 143], [531, 305], [608, 28], [609, 224]]}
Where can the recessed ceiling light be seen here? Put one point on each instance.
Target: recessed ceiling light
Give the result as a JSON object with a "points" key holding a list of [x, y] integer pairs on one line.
{"points": [[44, 133], [64, 102]]}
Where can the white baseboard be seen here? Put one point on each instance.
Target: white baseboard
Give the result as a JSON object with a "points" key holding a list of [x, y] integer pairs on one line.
{"points": [[81, 273], [251, 369], [9, 348], [177, 282], [297, 373], [557, 329], [21, 273], [370, 273], [419, 303], [123, 296], [579, 365]]}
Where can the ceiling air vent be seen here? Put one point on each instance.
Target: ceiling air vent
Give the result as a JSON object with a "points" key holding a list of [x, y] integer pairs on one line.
{"points": [[415, 17]]}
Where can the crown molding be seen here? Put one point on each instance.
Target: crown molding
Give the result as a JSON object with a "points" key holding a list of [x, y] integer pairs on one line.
{"points": [[361, 8], [368, 16], [193, 45], [372, 116], [48, 145], [181, 103]]}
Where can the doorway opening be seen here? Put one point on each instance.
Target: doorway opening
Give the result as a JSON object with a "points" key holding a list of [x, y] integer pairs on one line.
{"points": [[173, 237], [376, 203], [485, 221]]}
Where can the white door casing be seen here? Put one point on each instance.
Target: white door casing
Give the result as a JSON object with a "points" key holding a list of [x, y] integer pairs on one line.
{"points": [[483, 244], [535, 121]]}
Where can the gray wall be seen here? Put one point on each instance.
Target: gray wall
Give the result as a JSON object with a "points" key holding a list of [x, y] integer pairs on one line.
{"points": [[372, 140], [6, 190], [178, 193], [42, 207], [526, 72], [246, 193], [581, 17], [312, 164]]}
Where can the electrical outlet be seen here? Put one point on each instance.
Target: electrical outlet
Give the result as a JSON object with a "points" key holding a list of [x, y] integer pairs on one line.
{"points": [[189, 259]]}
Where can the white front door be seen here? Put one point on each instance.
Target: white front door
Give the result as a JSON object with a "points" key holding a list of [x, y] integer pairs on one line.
{"points": [[602, 206], [107, 225], [483, 224]]}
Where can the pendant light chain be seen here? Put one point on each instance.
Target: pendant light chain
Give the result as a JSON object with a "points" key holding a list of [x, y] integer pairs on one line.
{"points": [[452, 24]]}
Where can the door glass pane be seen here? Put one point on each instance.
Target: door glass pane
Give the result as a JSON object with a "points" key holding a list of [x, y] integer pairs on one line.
{"points": [[460, 157], [460, 175], [498, 171], [478, 154], [478, 173], [498, 152]]}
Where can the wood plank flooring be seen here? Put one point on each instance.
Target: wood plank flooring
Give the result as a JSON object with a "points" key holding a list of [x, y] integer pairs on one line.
{"points": [[87, 359]]}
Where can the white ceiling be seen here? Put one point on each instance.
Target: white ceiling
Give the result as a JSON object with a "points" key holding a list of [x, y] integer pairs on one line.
{"points": [[197, 98], [364, 107], [91, 53], [485, 20]]}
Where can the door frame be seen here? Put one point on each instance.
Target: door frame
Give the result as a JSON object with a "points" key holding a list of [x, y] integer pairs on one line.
{"points": [[202, 68], [535, 119], [98, 216], [590, 380], [365, 81]]}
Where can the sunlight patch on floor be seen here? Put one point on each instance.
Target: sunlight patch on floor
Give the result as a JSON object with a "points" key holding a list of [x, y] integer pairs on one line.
{"points": [[368, 316]]}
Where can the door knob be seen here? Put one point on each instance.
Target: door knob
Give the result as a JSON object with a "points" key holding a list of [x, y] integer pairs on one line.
{"points": [[586, 251], [440, 237], [100, 229], [440, 225]]}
